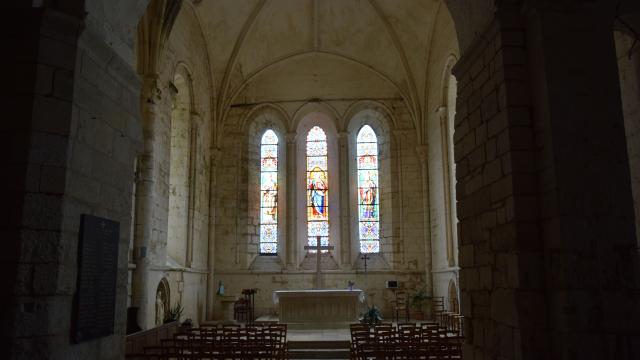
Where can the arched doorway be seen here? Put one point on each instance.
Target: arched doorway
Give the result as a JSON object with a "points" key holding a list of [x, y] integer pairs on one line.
{"points": [[163, 302]]}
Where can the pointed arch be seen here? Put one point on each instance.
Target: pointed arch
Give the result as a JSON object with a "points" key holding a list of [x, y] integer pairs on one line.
{"points": [[454, 303], [265, 128], [309, 179], [269, 111], [310, 108], [375, 116], [181, 168]]}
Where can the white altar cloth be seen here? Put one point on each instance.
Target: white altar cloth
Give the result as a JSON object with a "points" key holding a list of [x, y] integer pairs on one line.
{"points": [[318, 306]]}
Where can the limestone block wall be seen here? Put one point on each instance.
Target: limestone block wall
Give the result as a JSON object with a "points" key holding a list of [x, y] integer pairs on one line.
{"points": [[500, 254], [78, 133], [237, 262], [629, 69], [175, 240], [115, 21], [547, 242]]}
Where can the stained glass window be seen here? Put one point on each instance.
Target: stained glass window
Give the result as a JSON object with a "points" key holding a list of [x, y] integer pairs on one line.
{"points": [[317, 188], [368, 194], [269, 193]]}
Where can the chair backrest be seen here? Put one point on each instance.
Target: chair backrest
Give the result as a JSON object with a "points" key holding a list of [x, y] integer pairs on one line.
{"points": [[438, 303]]}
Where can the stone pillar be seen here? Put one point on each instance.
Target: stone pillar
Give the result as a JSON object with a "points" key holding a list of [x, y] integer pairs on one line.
{"points": [[212, 286], [423, 158], [443, 119], [546, 223], [397, 255], [290, 246], [345, 220], [194, 123], [592, 270], [502, 290], [145, 202]]}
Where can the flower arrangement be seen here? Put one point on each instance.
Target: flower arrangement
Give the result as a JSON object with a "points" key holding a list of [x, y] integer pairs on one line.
{"points": [[372, 316], [175, 313]]}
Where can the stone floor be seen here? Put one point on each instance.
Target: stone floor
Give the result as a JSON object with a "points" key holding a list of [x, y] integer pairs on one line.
{"points": [[318, 335], [306, 342]]}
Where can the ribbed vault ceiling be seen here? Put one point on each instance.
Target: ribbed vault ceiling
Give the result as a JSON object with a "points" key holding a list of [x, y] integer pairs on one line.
{"points": [[290, 50]]}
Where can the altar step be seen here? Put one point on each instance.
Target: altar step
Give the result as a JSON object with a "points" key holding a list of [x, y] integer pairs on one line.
{"points": [[312, 349]]}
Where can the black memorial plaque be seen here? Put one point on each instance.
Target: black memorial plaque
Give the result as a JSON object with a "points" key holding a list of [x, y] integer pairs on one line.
{"points": [[95, 300]]}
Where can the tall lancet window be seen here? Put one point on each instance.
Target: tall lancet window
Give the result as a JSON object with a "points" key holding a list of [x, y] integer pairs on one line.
{"points": [[368, 195], [269, 193], [317, 188]]}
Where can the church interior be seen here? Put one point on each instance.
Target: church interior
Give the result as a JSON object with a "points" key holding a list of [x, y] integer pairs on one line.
{"points": [[468, 164]]}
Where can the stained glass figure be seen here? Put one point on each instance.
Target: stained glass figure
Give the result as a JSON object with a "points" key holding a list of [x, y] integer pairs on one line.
{"points": [[269, 193], [317, 188], [368, 202]]}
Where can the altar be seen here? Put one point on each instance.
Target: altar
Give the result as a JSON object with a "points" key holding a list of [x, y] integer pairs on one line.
{"points": [[318, 306]]}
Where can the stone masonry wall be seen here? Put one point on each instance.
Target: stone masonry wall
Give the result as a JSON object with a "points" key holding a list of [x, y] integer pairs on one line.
{"points": [[547, 245], [500, 254], [184, 54], [81, 139], [236, 230]]}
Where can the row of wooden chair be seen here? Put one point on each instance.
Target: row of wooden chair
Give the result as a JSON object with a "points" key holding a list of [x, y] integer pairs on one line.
{"points": [[404, 341], [450, 320], [227, 342]]}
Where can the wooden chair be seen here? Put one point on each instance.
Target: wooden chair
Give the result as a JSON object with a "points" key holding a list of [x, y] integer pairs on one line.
{"points": [[409, 334], [429, 333], [401, 305], [438, 308], [363, 346], [241, 309]]}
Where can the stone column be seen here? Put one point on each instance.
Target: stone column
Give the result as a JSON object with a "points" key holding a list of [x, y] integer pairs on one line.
{"points": [[423, 158], [212, 286], [345, 220], [546, 221], [592, 269], [291, 241], [502, 290], [443, 118], [141, 288], [194, 123], [398, 251]]}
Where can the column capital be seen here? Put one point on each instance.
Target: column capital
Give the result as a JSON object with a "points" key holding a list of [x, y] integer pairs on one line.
{"points": [[151, 91], [290, 137]]}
